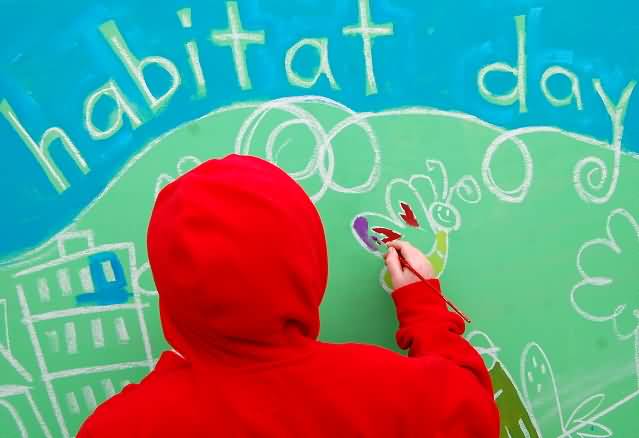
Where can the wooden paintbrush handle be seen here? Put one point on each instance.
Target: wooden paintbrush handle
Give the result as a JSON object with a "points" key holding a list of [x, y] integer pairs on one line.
{"points": [[405, 263]]}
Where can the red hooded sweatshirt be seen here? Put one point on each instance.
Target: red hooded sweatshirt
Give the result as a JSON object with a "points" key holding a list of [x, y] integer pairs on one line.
{"points": [[238, 254]]}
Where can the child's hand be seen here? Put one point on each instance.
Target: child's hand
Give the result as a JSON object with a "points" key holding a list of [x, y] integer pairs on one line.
{"points": [[402, 276]]}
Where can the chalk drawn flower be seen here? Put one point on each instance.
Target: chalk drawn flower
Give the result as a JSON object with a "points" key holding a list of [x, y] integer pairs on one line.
{"points": [[542, 398], [419, 209], [609, 285]]}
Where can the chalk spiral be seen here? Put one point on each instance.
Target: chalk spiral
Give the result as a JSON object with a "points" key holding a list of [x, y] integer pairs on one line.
{"points": [[321, 161], [591, 174]]}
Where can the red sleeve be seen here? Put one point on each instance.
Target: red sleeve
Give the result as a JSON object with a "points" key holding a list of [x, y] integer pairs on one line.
{"points": [[433, 334]]}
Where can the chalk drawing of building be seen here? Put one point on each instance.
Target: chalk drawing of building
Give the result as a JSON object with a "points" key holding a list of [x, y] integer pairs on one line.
{"points": [[78, 311]]}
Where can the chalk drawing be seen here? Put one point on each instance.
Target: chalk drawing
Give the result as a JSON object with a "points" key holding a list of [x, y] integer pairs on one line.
{"points": [[70, 337], [5, 344], [242, 145], [425, 200], [598, 168], [72, 403], [485, 346], [108, 280], [611, 290], [540, 388], [516, 421], [595, 177], [109, 389], [18, 395], [47, 292], [602, 298], [519, 193], [97, 333], [16, 417], [322, 160], [62, 309]]}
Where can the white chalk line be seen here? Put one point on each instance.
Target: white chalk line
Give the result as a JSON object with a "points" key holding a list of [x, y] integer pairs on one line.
{"points": [[97, 333], [19, 390], [39, 354], [30, 319], [611, 243], [38, 415], [5, 344], [526, 377], [94, 370], [599, 415], [16, 418], [85, 310], [15, 364], [69, 258], [322, 160], [546, 369]]}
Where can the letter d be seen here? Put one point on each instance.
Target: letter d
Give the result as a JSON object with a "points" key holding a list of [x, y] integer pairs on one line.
{"points": [[519, 90]]}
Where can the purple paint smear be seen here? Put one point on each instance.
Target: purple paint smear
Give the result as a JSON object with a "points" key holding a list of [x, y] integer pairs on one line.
{"points": [[361, 228]]}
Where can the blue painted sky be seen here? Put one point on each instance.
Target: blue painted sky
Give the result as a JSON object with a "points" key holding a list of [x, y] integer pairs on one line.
{"points": [[53, 56]]}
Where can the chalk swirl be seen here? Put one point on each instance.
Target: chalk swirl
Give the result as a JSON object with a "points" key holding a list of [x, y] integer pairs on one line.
{"points": [[291, 113], [467, 190], [518, 194], [591, 174]]}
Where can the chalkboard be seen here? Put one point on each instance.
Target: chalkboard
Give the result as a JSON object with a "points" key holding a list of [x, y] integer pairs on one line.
{"points": [[495, 136]]}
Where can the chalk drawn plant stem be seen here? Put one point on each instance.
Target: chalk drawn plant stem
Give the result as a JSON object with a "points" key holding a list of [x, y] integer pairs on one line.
{"points": [[423, 204], [540, 387]]}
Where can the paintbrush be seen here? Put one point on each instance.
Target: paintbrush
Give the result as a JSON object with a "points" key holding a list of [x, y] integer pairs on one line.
{"points": [[408, 266]]}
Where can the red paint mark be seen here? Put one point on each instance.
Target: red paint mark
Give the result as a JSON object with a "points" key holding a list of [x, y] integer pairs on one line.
{"points": [[390, 234], [408, 215]]}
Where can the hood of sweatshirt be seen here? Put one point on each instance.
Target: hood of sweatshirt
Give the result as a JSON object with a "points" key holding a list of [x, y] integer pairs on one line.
{"points": [[238, 255]]}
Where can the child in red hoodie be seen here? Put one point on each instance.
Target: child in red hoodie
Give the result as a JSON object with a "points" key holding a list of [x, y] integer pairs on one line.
{"points": [[239, 303]]}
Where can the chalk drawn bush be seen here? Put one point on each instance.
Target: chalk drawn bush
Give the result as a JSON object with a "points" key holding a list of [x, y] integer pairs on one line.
{"points": [[611, 295]]}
